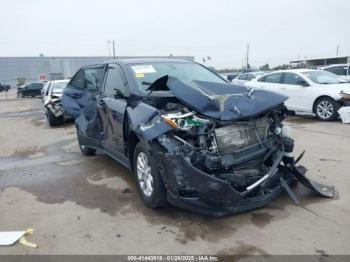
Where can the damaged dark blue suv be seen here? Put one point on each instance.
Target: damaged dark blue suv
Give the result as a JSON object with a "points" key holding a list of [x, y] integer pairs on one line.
{"points": [[189, 137]]}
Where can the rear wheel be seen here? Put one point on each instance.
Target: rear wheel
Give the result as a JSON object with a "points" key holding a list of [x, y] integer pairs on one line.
{"points": [[85, 150], [20, 95], [147, 177], [52, 119], [326, 109]]}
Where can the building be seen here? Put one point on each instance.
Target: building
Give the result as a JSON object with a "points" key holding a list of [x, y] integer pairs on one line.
{"points": [[321, 61], [41, 68]]}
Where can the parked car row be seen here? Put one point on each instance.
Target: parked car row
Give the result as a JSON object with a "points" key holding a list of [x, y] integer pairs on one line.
{"points": [[51, 93], [341, 70], [4, 87], [30, 89], [244, 78], [51, 96], [308, 91]]}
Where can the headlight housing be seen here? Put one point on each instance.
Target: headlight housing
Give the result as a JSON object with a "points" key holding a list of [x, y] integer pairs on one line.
{"points": [[344, 96]]}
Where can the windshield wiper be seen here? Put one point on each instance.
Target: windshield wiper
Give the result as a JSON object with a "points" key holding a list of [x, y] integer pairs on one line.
{"points": [[146, 83]]}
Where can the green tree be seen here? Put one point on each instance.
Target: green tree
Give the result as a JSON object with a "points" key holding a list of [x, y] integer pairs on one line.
{"points": [[265, 67]]}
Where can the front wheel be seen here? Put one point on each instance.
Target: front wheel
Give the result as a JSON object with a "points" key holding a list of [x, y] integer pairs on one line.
{"points": [[52, 119], [326, 109], [20, 95], [147, 177]]}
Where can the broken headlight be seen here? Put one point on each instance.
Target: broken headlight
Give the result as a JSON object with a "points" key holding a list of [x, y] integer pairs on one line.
{"points": [[184, 121]]}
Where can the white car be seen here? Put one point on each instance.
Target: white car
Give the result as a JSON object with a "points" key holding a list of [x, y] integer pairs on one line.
{"points": [[341, 70], [243, 78], [52, 101], [309, 91]]}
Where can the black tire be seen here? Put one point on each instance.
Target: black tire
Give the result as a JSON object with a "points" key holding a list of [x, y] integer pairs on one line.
{"points": [[20, 95], [157, 198], [85, 150], [52, 119], [326, 109]]}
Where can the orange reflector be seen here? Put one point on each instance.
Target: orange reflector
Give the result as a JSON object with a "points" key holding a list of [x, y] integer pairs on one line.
{"points": [[169, 122]]}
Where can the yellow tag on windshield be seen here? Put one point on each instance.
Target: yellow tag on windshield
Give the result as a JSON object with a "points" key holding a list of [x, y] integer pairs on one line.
{"points": [[139, 75]]}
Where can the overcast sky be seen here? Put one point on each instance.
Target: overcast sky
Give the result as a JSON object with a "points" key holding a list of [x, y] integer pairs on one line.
{"points": [[277, 31]]}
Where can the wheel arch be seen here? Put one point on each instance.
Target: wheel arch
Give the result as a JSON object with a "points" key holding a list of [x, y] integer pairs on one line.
{"points": [[132, 141], [318, 98]]}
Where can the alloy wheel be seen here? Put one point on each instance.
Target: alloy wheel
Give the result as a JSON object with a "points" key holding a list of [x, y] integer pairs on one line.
{"points": [[325, 109], [144, 174]]}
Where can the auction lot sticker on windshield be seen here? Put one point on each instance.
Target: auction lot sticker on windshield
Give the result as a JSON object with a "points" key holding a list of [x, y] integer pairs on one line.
{"points": [[143, 69]]}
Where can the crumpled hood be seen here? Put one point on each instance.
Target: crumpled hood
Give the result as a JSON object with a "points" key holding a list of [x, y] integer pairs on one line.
{"points": [[221, 101]]}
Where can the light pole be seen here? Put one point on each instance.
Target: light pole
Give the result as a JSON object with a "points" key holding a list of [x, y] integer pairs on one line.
{"points": [[109, 47], [338, 49], [113, 50]]}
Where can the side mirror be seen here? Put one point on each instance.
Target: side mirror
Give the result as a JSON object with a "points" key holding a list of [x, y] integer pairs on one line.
{"points": [[303, 83], [119, 94]]}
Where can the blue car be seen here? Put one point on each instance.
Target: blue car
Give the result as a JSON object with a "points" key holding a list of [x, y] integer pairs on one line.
{"points": [[188, 137]]}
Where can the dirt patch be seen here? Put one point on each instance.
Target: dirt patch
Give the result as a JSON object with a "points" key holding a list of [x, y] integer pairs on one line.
{"points": [[261, 219], [240, 252], [70, 183]]}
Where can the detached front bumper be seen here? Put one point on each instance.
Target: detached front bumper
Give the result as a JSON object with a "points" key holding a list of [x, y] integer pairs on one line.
{"points": [[190, 188]]}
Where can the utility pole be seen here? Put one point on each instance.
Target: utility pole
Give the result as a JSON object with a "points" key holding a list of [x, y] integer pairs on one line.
{"points": [[338, 49], [113, 50], [247, 55]]}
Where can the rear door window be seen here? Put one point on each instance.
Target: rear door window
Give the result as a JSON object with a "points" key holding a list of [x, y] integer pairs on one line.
{"points": [[242, 77], [37, 86], [273, 78], [250, 77], [292, 79]]}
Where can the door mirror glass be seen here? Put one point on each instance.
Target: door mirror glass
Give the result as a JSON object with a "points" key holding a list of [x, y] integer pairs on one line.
{"points": [[303, 83]]}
